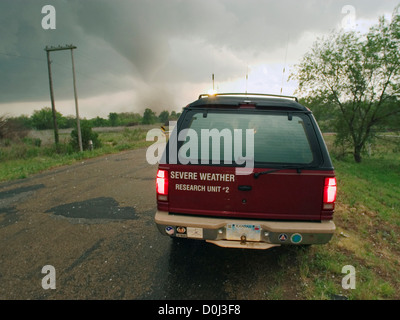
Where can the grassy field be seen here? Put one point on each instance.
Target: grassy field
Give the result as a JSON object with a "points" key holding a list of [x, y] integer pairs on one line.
{"points": [[18, 160], [367, 216]]}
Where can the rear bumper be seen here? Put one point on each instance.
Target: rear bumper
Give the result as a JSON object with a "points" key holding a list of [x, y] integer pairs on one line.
{"points": [[272, 233]]}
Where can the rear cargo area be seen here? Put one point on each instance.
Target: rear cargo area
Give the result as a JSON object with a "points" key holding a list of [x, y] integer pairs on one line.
{"points": [[218, 191]]}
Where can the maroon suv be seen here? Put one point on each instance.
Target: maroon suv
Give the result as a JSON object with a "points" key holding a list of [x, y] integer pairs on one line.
{"points": [[246, 171]]}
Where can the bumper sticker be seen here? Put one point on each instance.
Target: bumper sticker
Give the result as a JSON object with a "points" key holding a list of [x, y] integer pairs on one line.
{"points": [[181, 229], [296, 238], [169, 230], [283, 237]]}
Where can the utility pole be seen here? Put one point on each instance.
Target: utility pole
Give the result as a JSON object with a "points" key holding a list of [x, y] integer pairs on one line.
{"points": [[78, 125], [53, 108], [56, 137]]}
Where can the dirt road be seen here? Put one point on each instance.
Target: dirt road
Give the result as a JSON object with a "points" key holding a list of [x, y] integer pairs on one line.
{"points": [[93, 222]]}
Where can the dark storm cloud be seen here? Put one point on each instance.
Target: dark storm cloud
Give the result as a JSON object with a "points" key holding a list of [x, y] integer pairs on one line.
{"points": [[139, 45]]}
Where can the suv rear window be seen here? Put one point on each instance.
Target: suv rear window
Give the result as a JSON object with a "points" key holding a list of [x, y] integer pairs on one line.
{"points": [[279, 138]]}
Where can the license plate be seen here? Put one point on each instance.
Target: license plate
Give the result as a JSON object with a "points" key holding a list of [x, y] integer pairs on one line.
{"points": [[250, 231]]}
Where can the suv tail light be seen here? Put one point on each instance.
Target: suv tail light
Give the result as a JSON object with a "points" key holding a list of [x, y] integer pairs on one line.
{"points": [[162, 185], [329, 194]]}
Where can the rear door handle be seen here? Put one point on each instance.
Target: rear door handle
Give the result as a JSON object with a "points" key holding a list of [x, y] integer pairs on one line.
{"points": [[244, 188]]}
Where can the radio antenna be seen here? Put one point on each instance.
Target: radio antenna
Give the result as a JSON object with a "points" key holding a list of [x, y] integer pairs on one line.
{"points": [[284, 66], [247, 76]]}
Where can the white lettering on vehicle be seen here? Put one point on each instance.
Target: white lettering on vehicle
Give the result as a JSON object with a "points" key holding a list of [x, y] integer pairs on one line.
{"points": [[225, 177], [202, 176], [200, 187], [190, 187], [183, 175]]}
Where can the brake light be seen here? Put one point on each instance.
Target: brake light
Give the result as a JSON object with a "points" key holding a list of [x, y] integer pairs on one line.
{"points": [[162, 185], [247, 105], [329, 193]]}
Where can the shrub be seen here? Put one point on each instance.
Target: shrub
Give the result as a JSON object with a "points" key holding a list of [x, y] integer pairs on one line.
{"points": [[87, 135], [32, 142], [11, 129]]}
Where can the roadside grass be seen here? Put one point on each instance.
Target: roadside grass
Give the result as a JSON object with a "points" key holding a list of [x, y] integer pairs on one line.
{"points": [[19, 160], [367, 216]]}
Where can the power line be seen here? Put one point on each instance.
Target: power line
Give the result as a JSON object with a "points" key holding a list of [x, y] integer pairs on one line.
{"points": [[19, 56], [98, 80]]}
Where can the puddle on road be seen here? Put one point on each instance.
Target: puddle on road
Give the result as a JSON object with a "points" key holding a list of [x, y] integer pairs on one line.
{"points": [[97, 208]]}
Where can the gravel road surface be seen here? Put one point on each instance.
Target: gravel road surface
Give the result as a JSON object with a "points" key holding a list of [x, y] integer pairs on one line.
{"points": [[94, 223]]}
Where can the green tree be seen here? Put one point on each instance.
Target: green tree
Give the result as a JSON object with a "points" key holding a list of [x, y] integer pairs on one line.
{"points": [[129, 118], [22, 121], [43, 119], [113, 119], [99, 122], [174, 116], [357, 77], [164, 116], [149, 117], [69, 122]]}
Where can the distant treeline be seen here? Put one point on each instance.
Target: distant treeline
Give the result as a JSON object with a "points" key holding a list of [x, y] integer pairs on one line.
{"points": [[43, 119]]}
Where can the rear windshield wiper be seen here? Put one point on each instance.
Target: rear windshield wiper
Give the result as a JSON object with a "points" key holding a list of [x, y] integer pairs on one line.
{"points": [[298, 168]]}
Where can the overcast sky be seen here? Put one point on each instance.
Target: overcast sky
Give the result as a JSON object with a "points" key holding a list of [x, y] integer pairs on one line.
{"points": [[161, 54]]}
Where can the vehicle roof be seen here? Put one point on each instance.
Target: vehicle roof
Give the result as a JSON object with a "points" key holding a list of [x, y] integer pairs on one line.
{"points": [[238, 100]]}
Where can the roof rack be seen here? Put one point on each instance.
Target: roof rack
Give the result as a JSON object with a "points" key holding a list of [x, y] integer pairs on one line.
{"points": [[248, 94]]}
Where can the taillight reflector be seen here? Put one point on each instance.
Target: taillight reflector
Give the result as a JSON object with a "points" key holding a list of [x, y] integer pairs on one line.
{"points": [[162, 183], [329, 192]]}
